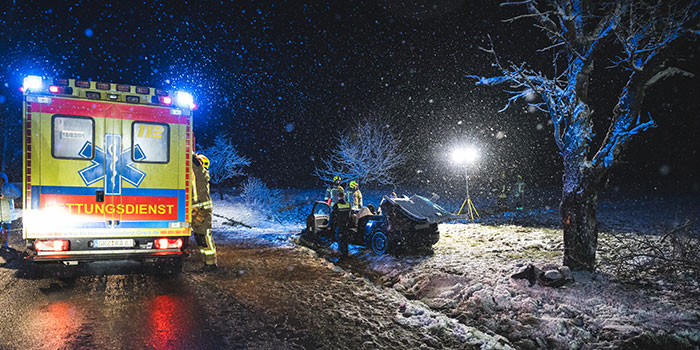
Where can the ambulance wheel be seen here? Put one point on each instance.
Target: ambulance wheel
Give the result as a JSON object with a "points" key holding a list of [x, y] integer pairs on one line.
{"points": [[379, 243]]}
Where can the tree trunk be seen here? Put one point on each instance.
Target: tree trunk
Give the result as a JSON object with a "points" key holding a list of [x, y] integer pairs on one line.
{"points": [[221, 192], [578, 213]]}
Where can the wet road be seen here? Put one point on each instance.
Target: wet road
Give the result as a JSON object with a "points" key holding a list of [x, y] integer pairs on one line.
{"points": [[260, 298], [108, 312]]}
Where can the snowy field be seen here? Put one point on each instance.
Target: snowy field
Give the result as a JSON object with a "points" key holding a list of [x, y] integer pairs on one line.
{"points": [[468, 275]]}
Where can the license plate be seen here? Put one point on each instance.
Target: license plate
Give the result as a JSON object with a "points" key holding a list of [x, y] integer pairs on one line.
{"points": [[113, 243]]}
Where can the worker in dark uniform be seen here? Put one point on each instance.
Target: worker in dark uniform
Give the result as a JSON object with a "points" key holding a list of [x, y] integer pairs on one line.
{"points": [[202, 211], [340, 223]]}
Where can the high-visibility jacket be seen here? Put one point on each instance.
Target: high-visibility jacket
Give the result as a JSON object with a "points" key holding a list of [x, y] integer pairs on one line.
{"points": [[357, 199], [333, 193], [201, 200], [200, 187], [519, 188]]}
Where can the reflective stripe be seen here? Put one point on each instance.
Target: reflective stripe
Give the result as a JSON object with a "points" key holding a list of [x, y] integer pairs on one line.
{"points": [[203, 205], [209, 253]]}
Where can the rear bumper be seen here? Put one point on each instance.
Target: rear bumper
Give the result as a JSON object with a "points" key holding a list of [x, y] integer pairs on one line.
{"points": [[115, 254]]}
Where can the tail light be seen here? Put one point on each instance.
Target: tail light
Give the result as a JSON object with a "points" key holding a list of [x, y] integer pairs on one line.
{"points": [[57, 245], [166, 100], [168, 243], [53, 89]]}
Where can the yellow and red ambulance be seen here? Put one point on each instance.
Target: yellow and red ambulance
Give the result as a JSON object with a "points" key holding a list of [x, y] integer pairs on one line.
{"points": [[106, 172]]}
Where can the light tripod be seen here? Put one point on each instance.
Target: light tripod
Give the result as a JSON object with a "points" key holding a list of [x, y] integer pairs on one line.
{"points": [[471, 209]]}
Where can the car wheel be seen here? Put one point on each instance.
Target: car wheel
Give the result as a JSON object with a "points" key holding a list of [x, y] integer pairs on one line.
{"points": [[379, 243]]}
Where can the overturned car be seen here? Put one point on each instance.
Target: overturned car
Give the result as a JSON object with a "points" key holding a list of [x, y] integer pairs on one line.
{"points": [[400, 223]]}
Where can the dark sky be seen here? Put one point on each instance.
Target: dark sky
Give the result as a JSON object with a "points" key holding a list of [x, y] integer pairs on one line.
{"points": [[281, 79]]}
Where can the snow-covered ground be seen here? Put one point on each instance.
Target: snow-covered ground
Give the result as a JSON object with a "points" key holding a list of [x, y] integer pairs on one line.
{"points": [[468, 276]]}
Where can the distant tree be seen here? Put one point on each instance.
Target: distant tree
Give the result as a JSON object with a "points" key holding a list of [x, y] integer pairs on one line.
{"points": [[369, 153], [225, 161], [636, 37]]}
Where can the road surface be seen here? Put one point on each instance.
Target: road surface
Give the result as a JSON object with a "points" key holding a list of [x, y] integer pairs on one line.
{"points": [[260, 298]]}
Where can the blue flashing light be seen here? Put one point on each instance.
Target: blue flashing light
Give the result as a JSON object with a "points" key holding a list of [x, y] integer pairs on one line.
{"points": [[184, 99], [32, 82]]}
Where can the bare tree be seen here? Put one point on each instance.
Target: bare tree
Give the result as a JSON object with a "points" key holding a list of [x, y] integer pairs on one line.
{"points": [[225, 160], [644, 34], [369, 152]]}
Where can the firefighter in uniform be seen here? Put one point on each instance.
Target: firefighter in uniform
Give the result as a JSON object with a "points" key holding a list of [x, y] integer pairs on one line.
{"points": [[333, 192], [202, 210], [356, 195]]}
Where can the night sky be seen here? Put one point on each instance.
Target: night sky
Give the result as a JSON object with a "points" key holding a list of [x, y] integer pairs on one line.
{"points": [[281, 79]]}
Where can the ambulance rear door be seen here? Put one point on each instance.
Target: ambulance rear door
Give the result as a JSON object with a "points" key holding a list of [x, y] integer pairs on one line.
{"points": [[151, 194]]}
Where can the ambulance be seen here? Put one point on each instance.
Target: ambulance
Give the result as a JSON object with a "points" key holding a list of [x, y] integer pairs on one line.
{"points": [[106, 172]]}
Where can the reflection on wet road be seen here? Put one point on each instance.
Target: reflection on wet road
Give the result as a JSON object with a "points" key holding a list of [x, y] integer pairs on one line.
{"points": [[110, 312]]}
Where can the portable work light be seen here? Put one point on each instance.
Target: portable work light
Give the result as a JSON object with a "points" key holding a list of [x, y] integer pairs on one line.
{"points": [[466, 156]]}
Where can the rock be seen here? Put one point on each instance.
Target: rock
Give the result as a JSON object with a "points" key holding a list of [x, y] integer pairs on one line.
{"points": [[484, 298], [553, 278], [471, 289], [566, 273], [529, 272], [2, 261], [553, 275], [502, 298]]}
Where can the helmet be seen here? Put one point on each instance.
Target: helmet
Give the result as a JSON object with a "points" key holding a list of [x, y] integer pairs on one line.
{"points": [[353, 184], [336, 178], [205, 161]]}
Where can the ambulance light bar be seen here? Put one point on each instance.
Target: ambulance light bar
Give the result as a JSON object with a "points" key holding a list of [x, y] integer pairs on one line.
{"points": [[106, 91]]}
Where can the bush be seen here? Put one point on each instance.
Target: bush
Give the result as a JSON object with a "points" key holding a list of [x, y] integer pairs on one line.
{"points": [[258, 196]]}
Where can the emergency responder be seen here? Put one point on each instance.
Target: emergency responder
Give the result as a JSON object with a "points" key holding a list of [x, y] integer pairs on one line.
{"points": [[341, 216], [502, 190], [202, 211], [8, 193], [332, 193], [356, 195], [519, 193]]}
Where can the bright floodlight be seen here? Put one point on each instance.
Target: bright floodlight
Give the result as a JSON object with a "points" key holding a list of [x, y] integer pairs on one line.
{"points": [[465, 155], [32, 82], [184, 99]]}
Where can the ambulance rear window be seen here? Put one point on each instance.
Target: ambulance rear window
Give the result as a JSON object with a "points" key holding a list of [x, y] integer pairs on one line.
{"points": [[150, 142], [72, 137]]}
